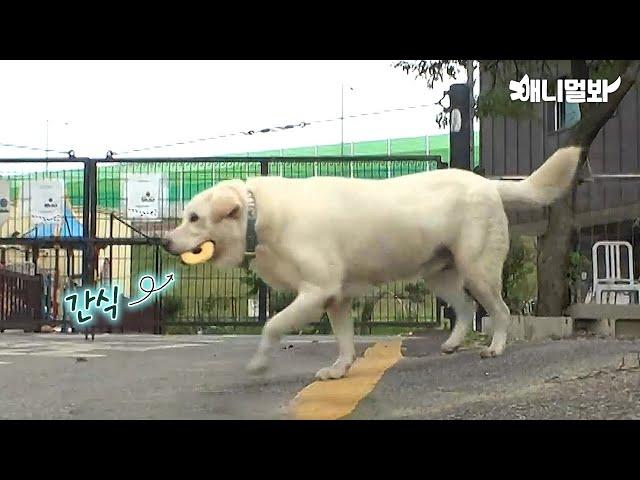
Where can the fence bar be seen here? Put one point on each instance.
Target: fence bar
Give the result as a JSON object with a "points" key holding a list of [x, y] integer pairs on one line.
{"points": [[89, 225], [263, 290], [241, 160]]}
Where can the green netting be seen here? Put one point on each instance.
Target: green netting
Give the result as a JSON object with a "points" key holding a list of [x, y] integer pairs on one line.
{"points": [[332, 150], [266, 154], [413, 146], [299, 152], [370, 148]]}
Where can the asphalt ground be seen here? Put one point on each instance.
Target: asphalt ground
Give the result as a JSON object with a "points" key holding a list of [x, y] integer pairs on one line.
{"points": [[59, 376]]}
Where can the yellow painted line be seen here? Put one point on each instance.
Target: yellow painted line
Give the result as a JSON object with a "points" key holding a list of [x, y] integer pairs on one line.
{"points": [[334, 399]]}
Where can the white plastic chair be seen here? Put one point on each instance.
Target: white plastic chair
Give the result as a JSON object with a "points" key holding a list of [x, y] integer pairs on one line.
{"points": [[613, 279]]}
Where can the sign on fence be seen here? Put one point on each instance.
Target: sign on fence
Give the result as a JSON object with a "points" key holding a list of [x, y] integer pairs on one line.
{"points": [[143, 196], [47, 201], [4, 201]]}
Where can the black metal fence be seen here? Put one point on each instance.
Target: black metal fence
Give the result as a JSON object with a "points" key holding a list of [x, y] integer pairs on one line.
{"points": [[22, 305], [100, 240]]}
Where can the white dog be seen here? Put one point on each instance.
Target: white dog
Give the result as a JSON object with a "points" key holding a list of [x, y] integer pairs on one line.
{"points": [[330, 239]]}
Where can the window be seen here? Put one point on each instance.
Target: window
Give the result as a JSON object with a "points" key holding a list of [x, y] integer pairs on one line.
{"points": [[569, 114], [561, 115]]}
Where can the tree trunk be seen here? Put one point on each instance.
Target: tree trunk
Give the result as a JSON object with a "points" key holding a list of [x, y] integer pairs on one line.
{"points": [[367, 312], [553, 253], [555, 245]]}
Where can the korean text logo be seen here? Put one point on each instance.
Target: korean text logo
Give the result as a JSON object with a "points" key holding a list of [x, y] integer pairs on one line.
{"points": [[85, 306], [567, 90]]}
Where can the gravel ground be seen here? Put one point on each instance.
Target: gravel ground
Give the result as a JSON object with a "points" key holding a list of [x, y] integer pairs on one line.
{"points": [[563, 379]]}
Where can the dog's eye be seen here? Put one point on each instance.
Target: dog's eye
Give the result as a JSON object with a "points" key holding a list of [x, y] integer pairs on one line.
{"points": [[193, 217]]}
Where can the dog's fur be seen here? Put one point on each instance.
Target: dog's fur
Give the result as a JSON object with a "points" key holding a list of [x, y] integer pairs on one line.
{"points": [[330, 239]]}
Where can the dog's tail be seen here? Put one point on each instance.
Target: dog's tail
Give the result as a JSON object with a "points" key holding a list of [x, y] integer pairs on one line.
{"points": [[544, 186]]}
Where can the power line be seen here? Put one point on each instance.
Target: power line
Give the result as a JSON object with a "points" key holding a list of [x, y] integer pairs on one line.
{"points": [[217, 137], [234, 134], [27, 147], [276, 129]]}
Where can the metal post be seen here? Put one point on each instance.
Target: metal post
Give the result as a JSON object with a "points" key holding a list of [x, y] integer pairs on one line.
{"points": [[471, 110], [263, 291], [43, 304], [459, 140], [157, 328], [389, 170], [342, 120], [315, 164], [35, 252], [111, 218], [459, 134], [89, 222]]}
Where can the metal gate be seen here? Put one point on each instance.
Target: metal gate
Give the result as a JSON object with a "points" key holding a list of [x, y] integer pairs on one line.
{"points": [[22, 305], [98, 241]]}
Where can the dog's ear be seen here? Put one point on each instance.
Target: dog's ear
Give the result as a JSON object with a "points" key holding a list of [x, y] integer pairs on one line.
{"points": [[225, 204]]}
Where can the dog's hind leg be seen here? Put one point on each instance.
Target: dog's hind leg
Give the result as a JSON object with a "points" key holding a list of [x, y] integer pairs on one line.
{"points": [[449, 286], [481, 268], [342, 325], [487, 292], [307, 306]]}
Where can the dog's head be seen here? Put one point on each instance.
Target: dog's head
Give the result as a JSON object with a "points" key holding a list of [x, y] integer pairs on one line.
{"points": [[219, 215]]}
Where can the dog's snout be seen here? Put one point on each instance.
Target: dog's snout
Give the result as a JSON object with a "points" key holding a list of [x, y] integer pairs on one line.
{"points": [[166, 244]]}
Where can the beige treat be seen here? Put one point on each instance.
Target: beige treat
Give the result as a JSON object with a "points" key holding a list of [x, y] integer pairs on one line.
{"points": [[201, 254]]}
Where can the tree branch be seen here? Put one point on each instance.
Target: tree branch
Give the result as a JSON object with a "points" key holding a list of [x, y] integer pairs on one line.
{"points": [[580, 71], [597, 114], [439, 102], [547, 67]]}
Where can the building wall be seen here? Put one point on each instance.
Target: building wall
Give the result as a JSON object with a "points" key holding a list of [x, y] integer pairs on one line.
{"points": [[517, 147]]}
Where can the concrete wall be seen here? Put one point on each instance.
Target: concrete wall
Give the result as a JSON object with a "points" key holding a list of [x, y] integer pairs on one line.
{"points": [[525, 327]]}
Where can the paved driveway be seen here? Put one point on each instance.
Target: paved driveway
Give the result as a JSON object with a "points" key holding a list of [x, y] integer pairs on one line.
{"points": [[54, 376]]}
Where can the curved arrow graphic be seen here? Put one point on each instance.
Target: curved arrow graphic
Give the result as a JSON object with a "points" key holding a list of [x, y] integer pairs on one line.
{"points": [[170, 278]]}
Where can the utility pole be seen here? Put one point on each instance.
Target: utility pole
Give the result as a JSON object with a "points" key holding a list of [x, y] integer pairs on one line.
{"points": [[47, 147], [342, 119], [471, 110], [461, 154], [460, 128]]}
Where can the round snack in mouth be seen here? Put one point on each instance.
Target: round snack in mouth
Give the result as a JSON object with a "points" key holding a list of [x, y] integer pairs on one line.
{"points": [[198, 255]]}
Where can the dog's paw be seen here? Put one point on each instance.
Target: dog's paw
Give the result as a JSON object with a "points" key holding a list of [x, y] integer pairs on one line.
{"points": [[447, 348], [258, 365], [335, 371], [490, 353]]}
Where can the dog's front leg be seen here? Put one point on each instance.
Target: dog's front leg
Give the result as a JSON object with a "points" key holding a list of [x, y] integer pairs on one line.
{"points": [[342, 325], [307, 306]]}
